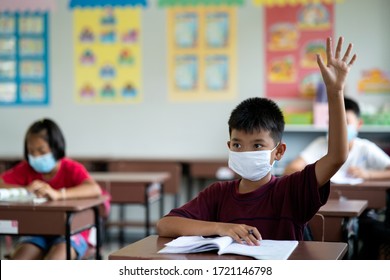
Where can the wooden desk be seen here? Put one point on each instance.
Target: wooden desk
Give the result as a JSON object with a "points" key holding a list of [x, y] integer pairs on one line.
{"points": [[147, 248], [63, 217], [174, 168], [373, 191], [202, 170], [134, 188], [335, 212]]}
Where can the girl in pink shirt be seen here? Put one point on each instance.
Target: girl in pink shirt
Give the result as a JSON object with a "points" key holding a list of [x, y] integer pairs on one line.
{"points": [[46, 172]]}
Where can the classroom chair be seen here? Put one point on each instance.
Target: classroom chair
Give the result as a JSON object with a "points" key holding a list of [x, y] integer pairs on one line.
{"points": [[316, 228]]}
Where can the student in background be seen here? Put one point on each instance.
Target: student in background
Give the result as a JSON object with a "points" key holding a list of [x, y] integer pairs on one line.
{"points": [[259, 205], [365, 159], [46, 172]]}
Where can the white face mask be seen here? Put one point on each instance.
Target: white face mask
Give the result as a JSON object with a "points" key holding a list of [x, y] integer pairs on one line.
{"points": [[252, 166]]}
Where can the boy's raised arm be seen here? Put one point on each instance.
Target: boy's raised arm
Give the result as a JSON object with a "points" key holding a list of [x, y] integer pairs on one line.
{"points": [[334, 74]]}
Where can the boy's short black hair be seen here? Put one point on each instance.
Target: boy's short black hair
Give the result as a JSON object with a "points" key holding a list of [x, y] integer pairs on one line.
{"points": [[258, 114], [351, 105], [51, 133]]}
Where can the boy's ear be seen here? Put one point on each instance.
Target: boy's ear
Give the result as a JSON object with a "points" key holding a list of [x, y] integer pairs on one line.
{"points": [[360, 123], [280, 150], [228, 144]]}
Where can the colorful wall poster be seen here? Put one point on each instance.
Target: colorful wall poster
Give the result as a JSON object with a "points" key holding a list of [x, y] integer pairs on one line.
{"points": [[24, 62], [294, 35], [108, 55], [202, 53], [374, 81], [271, 3]]}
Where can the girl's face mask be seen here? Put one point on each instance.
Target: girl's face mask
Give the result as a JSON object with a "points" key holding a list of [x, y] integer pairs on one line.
{"points": [[252, 166], [42, 164]]}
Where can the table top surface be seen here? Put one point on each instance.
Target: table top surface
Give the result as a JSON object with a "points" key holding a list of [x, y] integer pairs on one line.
{"points": [[343, 208], [59, 205], [131, 177], [373, 185], [147, 248]]}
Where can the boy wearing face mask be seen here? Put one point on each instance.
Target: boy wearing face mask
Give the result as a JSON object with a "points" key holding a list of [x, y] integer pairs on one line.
{"points": [[46, 172], [365, 159], [260, 205]]}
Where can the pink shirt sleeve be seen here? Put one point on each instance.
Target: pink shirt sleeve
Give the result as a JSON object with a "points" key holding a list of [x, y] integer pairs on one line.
{"points": [[21, 174]]}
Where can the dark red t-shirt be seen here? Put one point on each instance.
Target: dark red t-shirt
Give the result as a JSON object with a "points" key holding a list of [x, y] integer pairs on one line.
{"points": [[279, 209]]}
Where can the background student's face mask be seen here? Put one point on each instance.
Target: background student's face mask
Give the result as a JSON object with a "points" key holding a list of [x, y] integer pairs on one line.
{"points": [[351, 132], [252, 166], [42, 164]]}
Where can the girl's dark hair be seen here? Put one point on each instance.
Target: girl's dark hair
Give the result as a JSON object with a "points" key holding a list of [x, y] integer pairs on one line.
{"points": [[258, 114], [51, 133]]}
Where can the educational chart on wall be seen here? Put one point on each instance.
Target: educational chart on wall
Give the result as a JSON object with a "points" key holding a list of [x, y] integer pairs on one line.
{"points": [[294, 35], [107, 42], [24, 63], [374, 80], [202, 53]]}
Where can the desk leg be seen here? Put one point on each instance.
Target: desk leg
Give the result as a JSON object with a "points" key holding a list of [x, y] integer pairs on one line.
{"points": [[162, 200], [67, 234], [98, 232], [176, 200], [202, 185], [121, 218], [147, 211], [190, 187]]}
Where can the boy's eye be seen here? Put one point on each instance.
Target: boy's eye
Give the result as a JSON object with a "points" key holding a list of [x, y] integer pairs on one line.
{"points": [[258, 146], [236, 145]]}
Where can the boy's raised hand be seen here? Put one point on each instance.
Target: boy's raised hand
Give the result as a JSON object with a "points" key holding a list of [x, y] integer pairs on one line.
{"points": [[336, 70]]}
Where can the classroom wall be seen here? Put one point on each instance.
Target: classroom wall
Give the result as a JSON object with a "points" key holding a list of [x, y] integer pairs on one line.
{"points": [[159, 128]]}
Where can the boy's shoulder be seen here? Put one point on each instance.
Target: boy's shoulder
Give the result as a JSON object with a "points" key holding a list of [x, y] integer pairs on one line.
{"points": [[218, 188], [308, 171], [223, 184]]}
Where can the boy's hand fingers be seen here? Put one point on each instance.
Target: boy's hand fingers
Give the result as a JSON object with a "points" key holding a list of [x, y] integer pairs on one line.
{"points": [[329, 52], [257, 234], [237, 238], [321, 64], [338, 48], [252, 236], [347, 53], [353, 59], [254, 240]]}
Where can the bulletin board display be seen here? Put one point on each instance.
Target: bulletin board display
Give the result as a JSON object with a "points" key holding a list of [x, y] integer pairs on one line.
{"points": [[24, 63], [294, 35], [202, 53], [107, 55]]}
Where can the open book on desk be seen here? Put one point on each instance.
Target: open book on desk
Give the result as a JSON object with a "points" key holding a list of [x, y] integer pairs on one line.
{"points": [[343, 178], [267, 250], [19, 195]]}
